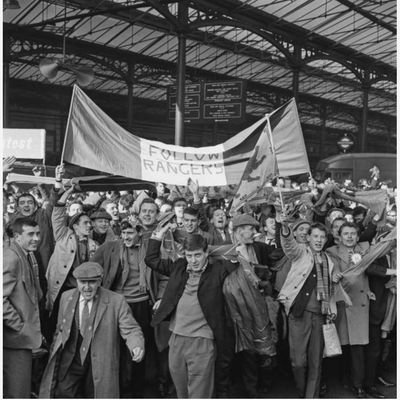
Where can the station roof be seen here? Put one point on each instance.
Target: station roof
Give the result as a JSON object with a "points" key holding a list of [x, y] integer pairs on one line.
{"points": [[339, 48]]}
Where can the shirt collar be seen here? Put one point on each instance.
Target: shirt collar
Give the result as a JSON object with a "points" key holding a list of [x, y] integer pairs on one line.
{"points": [[82, 300]]}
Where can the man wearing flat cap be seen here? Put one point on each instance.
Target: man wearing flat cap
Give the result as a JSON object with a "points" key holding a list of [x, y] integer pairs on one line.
{"points": [[73, 247], [84, 358], [259, 258], [102, 231]]}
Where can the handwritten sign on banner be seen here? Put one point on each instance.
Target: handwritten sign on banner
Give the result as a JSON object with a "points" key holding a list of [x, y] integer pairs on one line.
{"points": [[160, 163]]}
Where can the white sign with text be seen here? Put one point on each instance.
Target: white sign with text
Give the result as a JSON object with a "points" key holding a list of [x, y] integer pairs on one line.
{"points": [[24, 143]]}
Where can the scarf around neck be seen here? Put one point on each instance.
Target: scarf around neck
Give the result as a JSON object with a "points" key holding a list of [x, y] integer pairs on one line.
{"points": [[321, 265]]}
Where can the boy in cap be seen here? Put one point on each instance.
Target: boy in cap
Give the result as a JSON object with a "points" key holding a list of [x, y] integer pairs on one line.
{"points": [[84, 358]]}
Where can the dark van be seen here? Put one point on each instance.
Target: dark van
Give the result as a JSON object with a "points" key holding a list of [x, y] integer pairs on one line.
{"points": [[356, 166]]}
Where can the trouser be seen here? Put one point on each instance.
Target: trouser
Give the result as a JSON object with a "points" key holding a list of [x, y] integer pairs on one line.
{"points": [[132, 374], [223, 362], [17, 371], [306, 345], [372, 354], [249, 371], [78, 381], [192, 366], [353, 355]]}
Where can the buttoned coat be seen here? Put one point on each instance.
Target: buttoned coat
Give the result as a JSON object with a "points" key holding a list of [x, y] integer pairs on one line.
{"points": [[113, 319], [352, 321], [21, 324], [63, 256]]}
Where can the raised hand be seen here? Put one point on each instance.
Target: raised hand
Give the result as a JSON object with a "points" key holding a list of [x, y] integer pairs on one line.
{"points": [[193, 186], [8, 163], [37, 170], [60, 171]]}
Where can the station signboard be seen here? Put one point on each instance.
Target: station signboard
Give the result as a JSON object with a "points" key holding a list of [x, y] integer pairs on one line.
{"points": [[211, 102]]}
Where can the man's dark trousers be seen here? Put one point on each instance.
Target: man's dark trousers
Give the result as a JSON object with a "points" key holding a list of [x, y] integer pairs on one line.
{"points": [[306, 348]]}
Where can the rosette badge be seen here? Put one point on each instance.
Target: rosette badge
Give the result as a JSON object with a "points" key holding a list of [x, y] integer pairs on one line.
{"points": [[356, 258]]}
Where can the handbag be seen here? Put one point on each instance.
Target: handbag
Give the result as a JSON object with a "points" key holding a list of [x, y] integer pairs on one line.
{"points": [[332, 346]]}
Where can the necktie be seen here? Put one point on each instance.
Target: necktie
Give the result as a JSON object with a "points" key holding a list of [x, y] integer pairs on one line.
{"points": [[84, 319]]}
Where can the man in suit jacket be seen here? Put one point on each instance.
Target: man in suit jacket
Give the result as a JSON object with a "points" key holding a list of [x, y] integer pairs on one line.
{"points": [[193, 301], [352, 322], [21, 295], [84, 358], [125, 272]]}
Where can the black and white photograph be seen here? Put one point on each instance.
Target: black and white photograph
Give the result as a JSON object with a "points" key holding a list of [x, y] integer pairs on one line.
{"points": [[199, 199]]}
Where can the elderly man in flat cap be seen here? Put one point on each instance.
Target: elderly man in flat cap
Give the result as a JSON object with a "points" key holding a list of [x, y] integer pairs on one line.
{"points": [[84, 358], [73, 247]]}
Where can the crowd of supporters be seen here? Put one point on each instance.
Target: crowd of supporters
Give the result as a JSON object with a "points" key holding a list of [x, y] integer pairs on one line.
{"points": [[106, 293]]}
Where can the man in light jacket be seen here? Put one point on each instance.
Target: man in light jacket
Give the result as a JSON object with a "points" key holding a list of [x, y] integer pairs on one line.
{"points": [[307, 298]]}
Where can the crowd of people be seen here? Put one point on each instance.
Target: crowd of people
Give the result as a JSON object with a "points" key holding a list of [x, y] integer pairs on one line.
{"points": [[105, 293]]}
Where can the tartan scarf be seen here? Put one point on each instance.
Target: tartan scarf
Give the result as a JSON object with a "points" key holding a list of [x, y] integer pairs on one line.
{"points": [[321, 265]]}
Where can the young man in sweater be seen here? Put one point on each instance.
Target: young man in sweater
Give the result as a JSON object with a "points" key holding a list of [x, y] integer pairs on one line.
{"points": [[193, 302]]}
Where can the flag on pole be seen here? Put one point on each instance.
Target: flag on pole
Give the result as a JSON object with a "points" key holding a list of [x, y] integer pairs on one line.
{"points": [[288, 140], [280, 150], [260, 168]]}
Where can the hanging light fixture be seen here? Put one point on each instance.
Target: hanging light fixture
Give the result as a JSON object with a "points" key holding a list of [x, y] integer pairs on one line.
{"points": [[11, 5], [49, 67]]}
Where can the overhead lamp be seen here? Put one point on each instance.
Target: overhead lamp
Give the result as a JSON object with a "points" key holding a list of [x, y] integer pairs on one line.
{"points": [[11, 5], [49, 68]]}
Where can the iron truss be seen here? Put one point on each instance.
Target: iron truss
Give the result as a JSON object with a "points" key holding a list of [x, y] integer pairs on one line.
{"points": [[134, 42]]}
